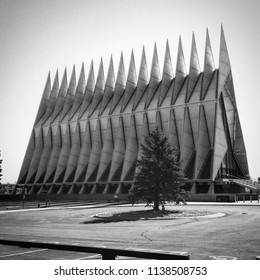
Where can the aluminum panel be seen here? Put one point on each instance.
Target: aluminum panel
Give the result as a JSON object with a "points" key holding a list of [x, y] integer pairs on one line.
{"points": [[74, 153], [220, 147], [64, 154], [203, 144], [36, 157], [55, 153]]}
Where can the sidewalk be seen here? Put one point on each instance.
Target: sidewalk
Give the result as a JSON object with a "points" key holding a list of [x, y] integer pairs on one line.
{"points": [[239, 203]]}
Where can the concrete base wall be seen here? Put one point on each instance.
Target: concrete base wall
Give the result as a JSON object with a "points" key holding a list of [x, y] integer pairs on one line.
{"points": [[124, 197], [63, 197]]}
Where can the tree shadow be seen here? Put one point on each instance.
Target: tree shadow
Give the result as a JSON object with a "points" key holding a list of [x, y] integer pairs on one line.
{"points": [[130, 216]]}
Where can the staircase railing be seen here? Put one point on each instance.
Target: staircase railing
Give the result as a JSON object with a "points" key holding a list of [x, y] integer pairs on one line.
{"points": [[250, 183]]}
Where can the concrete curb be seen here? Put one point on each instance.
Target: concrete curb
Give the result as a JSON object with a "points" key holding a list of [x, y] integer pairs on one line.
{"points": [[212, 216]]}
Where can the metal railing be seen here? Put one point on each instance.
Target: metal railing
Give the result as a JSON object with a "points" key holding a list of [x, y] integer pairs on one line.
{"points": [[107, 253], [247, 183]]}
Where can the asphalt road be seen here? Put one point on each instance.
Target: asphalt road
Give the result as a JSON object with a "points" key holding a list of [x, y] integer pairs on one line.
{"points": [[235, 234]]}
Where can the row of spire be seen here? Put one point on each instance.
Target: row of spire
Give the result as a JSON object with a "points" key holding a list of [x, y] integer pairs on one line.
{"points": [[88, 93]]}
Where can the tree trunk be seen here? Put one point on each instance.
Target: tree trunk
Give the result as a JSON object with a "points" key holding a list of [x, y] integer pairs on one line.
{"points": [[156, 204], [156, 198]]}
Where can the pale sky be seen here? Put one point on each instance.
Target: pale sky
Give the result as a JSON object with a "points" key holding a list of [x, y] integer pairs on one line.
{"points": [[38, 36]]}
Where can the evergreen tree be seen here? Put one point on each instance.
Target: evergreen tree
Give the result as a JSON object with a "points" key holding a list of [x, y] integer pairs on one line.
{"points": [[159, 175]]}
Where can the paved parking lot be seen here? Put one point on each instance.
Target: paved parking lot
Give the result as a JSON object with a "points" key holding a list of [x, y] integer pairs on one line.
{"points": [[236, 234]]}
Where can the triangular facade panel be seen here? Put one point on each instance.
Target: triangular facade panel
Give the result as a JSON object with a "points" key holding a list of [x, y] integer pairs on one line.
{"points": [[194, 118], [132, 148], [64, 154], [209, 66], [131, 84], [187, 147], [52, 98], [60, 99], [108, 148], [167, 75], [55, 153], [79, 94], [44, 101], [74, 153], [85, 151], [220, 145], [203, 143], [109, 89], [180, 74], [239, 147], [120, 146], [173, 131], [210, 112], [194, 71], [224, 62], [45, 156], [95, 151], [230, 112], [36, 156], [155, 78], [119, 86], [69, 96], [143, 80], [27, 159], [98, 92], [89, 90]]}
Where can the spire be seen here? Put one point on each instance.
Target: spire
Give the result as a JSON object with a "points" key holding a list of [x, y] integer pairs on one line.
{"points": [[224, 62], [180, 72], [209, 66], [109, 87], [143, 80], [73, 82], [52, 98], [79, 92], [131, 82], [99, 88], [120, 84], [44, 100], [167, 74], [88, 90], [70, 94], [55, 85], [81, 82], [155, 77], [194, 71], [61, 96]]}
